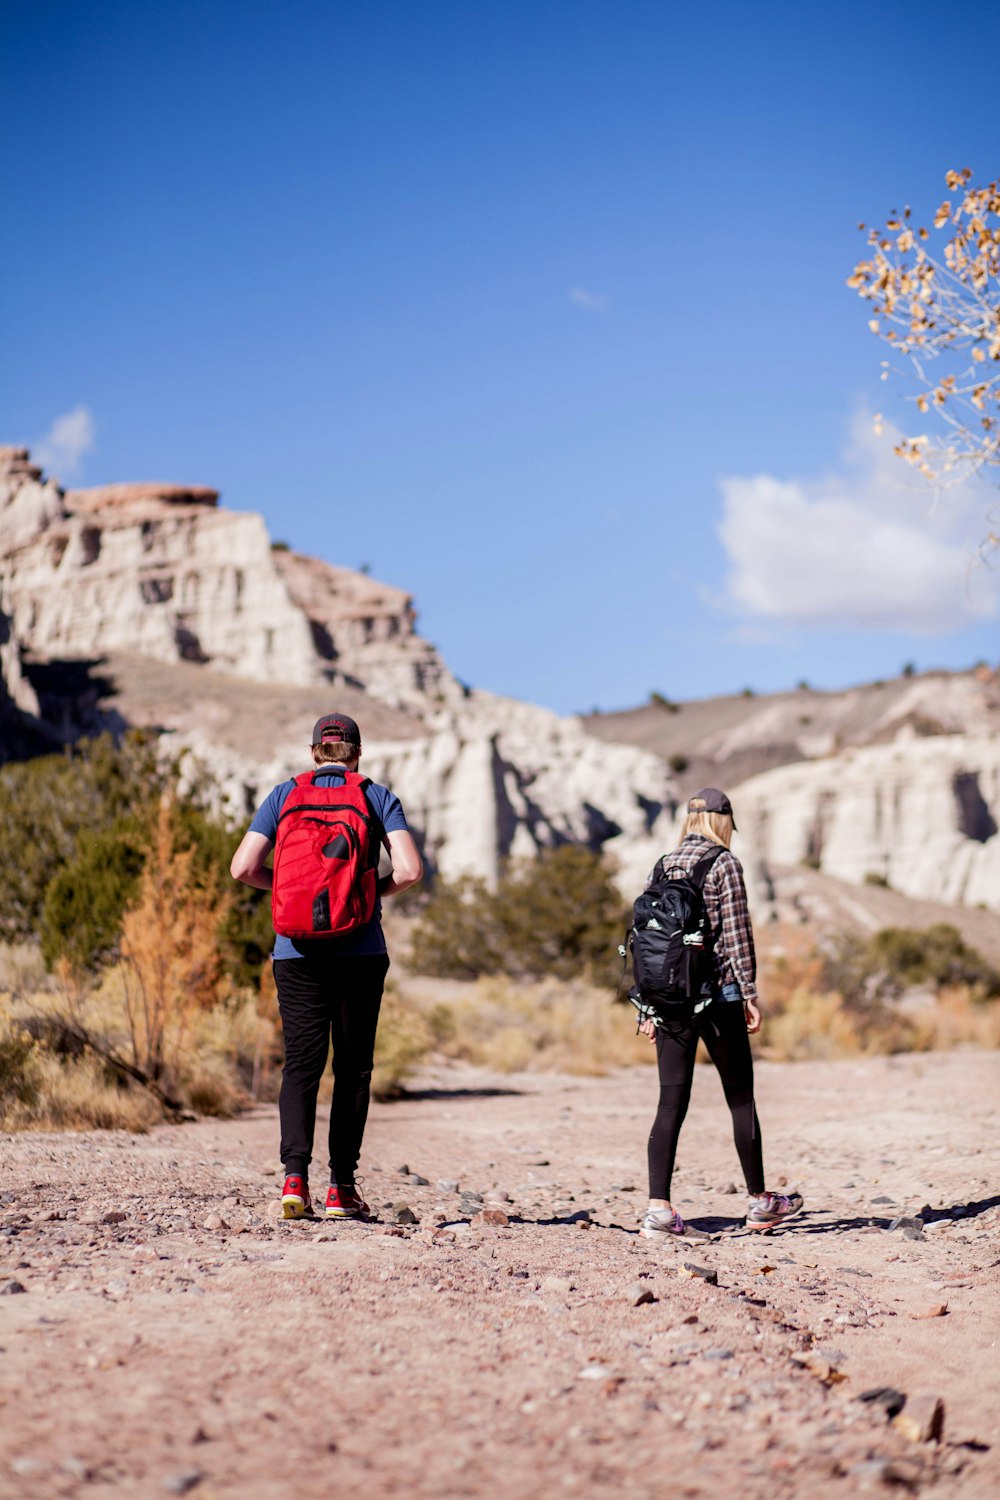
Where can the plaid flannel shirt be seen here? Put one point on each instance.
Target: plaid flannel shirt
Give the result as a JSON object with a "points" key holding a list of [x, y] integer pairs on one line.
{"points": [[726, 907]]}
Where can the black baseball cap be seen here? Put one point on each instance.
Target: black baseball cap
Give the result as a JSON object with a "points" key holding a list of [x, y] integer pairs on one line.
{"points": [[710, 799], [336, 727]]}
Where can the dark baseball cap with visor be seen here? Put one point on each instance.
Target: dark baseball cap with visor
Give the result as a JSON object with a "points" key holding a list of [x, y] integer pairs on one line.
{"points": [[710, 799], [336, 727]]}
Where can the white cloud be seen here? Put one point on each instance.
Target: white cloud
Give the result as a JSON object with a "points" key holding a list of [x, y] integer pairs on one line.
{"points": [[70, 437], [873, 548], [592, 301]]}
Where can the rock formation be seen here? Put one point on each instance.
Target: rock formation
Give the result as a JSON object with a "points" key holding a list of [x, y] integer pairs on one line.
{"points": [[919, 814], [162, 575], [163, 570]]}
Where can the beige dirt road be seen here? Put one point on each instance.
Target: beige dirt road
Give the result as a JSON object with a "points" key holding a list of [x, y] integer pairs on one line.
{"points": [[152, 1350]]}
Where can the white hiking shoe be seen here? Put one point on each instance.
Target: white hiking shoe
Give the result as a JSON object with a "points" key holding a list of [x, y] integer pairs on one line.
{"points": [[661, 1224], [773, 1208]]}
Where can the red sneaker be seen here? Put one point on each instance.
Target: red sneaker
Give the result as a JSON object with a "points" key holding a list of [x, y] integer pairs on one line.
{"points": [[295, 1200], [345, 1203]]}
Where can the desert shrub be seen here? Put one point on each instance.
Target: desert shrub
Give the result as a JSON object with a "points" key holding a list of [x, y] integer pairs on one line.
{"points": [[457, 935], [246, 936], [553, 1025], [405, 1036], [856, 994], [18, 1076], [79, 1094], [74, 833], [559, 914], [85, 901], [171, 962], [935, 955], [46, 804], [870, 972]]}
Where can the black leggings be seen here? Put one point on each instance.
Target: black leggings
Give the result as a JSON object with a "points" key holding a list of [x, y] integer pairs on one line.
{"points": [[322, 1000], [724, 1028]]}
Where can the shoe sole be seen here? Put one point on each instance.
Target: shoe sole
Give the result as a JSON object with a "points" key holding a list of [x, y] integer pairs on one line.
{"points": [[341, 1213], [293, 1208]]}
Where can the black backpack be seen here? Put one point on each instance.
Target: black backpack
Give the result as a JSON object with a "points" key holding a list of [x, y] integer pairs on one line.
{"points": [[670, 944]]}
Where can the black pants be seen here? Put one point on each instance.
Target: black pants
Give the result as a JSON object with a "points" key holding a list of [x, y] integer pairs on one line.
{"points": [[321, 999], [724, 1028]]}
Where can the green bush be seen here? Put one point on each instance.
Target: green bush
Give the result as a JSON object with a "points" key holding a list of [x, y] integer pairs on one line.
{"points": [[85, 901], [559, 914], [48, 803], [74, 831], [937, 955], [871, 972]]}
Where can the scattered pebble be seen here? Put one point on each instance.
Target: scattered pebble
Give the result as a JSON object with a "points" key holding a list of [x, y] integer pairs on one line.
{"points": [[11, 1288], [639, 1294], [922, 1419], [402, 1213], [936, 1310], [214, 1221], [180, 1484], [490, 1218], [885, 1396], [701, 1273]]}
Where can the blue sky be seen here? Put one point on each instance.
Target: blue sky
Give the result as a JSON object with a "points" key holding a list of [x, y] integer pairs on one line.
{"points": [[537, 309]]}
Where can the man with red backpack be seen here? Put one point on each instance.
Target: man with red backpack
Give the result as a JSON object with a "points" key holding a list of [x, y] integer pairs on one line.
{"points": [[327, 828]]}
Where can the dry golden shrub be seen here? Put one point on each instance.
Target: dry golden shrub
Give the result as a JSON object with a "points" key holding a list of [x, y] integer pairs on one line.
{"points": [[74, 1093], [405, 1038], [171, 961], [959, 1018], [551, 1025]]}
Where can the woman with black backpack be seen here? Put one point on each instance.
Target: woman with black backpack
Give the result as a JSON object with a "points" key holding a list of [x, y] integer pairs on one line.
{"points": [[722, 1010]]}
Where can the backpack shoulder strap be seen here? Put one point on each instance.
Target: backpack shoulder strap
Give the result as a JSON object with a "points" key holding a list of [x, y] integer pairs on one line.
{"points": [[700, 872]]}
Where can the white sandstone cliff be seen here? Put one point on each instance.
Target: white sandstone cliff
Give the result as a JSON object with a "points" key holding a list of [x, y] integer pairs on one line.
{"points": [[920, 814], [162, 570]]}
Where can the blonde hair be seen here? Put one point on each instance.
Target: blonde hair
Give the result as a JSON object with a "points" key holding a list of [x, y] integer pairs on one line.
{"points": [[711, 825], [335, 753]]}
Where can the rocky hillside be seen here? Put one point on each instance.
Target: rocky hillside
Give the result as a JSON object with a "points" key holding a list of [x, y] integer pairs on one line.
{"points": [[892, 782], [151, 604]]}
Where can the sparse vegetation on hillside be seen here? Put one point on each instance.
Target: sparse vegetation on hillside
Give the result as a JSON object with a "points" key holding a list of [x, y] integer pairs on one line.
{"points": [[898, 990], [558, 915]]}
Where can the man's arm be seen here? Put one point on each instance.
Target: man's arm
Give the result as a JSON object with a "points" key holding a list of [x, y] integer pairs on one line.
{"points": [[407, 866], [248, 861]]}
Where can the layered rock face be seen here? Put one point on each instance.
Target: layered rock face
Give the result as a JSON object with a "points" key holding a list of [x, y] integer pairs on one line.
{"points": [[162, 570], [496, 780], [920, 814]]}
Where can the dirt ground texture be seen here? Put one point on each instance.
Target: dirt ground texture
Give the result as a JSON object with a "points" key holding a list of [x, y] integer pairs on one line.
{"points": [[163, 1332]]}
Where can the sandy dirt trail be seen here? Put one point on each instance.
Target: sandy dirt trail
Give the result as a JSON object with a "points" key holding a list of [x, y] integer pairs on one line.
{"points": [[172, 1336]]}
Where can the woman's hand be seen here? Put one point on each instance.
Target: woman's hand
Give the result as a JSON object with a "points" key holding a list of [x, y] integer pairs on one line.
{"points": [[752, 1013], [648, 1029]]}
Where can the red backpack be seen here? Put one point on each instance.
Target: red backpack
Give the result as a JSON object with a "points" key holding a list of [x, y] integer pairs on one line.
{"points": [[325, 858]]}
